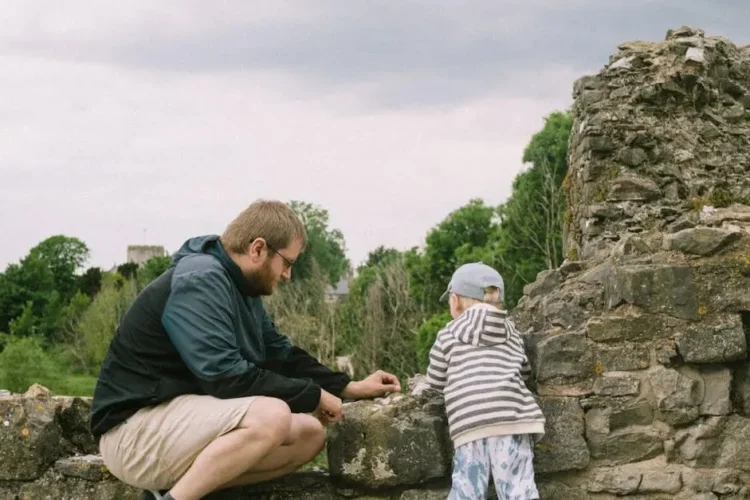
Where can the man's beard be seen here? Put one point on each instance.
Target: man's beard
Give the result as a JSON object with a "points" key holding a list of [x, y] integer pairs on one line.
{"points": [[261, 282]]}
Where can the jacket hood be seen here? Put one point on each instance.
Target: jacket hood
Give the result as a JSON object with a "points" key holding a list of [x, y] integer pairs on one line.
{"points": [[481, 324], [199, 244], [211, 245]]}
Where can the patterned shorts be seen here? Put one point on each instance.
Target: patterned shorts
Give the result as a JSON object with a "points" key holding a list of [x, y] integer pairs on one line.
{"points": [[508, 458]]}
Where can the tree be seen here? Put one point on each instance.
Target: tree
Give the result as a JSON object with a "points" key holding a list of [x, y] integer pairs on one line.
{"points": [[379, 319], [65, 255], [34, 292], [90, 282], [128, 270], [24, 362], [324, 245], [89, 330], [29, 281], [426, 335], [152, 269], [529, 236], [380, 256], [461, 237]]}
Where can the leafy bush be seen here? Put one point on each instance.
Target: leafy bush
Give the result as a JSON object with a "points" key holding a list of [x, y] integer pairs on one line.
{"points": [[426, 335], [23, 362]]}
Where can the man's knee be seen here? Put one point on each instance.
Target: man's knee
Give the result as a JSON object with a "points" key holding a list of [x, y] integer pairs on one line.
{"points": [[271, 417], [313, 436]]}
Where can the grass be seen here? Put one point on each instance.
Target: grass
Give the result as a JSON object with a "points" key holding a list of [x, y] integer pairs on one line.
{"points": [[319, 462], [77, 385]]}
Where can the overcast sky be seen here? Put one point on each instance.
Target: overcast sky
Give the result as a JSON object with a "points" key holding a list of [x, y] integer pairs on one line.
{"points": [[148, 122]]}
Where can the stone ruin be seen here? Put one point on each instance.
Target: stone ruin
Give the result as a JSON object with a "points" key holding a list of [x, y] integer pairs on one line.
{"points": [[639, 340]]}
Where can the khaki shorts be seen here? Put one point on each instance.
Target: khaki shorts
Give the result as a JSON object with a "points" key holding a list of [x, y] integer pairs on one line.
{"points": [[157, 445]]}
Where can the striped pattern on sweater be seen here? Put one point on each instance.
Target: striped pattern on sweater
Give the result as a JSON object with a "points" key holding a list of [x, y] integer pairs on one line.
{"points": [[478, 361]]}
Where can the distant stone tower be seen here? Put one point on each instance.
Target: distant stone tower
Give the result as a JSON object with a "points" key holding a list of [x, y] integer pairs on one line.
{"points": [[138, 254]]}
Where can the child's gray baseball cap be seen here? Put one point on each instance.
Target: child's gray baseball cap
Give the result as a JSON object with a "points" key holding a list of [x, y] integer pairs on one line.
{"points": [[470, 280]]}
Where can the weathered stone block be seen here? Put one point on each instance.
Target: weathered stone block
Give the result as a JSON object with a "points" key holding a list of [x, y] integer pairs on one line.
{"points": [[699, 446], [560, 491], [734, 452], [678, 397], [30, 438], [618, 430], [717, 381], [89, 467], [607, 413], [667, 289], [713, 340], [653, 476], [561, 313], [629, 444], [564, 359], [617, 384], [628, 357], [596, 144], [661, 481], [605, 211], [701, 240], [632, 157], [665, 352], [722, 481], [629, 245], [425, 494], [627, 323], [398, 442], [73, 417], [614, 480], [563, 446], [633, 188], [52, 488], [546, 281], [719, 442]]}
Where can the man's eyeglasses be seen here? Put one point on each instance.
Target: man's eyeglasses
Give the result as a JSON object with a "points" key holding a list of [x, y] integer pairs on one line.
{"points": [[287, 263]]}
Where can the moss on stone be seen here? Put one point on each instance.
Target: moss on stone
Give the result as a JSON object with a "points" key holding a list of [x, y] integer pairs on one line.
{"points": [[721, 197]]}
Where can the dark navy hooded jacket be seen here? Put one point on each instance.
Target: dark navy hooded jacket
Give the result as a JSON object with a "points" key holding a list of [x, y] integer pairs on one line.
{"points": [[197, 330]]}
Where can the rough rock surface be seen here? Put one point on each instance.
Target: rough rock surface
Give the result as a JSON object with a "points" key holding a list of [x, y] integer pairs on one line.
{"points": [[652, 346], [396, 441], [47, 452]]}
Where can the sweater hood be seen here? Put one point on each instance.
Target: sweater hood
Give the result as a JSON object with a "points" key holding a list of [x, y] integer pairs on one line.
{"points": [[481, 325]]}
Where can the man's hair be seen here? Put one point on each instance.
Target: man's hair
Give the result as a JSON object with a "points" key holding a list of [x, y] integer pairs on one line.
{"points": [[274, 221], [491, 296]]}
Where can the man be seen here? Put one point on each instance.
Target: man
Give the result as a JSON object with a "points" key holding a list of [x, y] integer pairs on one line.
{"points": [[198, 391]]}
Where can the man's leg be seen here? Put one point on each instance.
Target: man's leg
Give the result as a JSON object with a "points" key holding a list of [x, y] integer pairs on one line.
{"points": [[306, 441], [269, 442]]}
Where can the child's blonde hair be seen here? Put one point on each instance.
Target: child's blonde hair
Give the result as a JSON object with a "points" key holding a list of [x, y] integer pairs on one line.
{"points": [[491, 297]]}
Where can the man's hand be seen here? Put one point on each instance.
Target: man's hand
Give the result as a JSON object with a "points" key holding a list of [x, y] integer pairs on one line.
{"points": [[376, 385], [329, 408]]}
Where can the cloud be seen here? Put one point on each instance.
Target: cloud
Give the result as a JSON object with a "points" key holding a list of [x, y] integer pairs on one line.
{"points": [[102, 154], [150, 122], [415, 53]]}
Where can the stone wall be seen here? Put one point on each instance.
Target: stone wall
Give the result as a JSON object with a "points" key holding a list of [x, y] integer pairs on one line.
{"points": [[47, 452], [640, 337], [639, 340]]}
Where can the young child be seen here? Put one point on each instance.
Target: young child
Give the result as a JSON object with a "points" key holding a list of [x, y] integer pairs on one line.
{"points": [[479, 363]]}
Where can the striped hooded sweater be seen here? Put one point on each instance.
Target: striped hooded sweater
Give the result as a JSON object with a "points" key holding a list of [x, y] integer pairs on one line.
{"points": [[479, 363]]}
